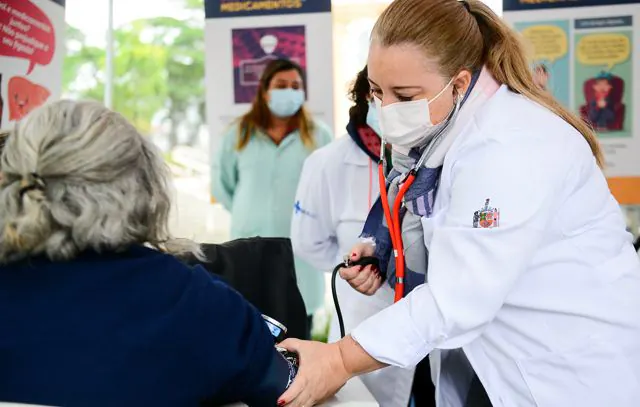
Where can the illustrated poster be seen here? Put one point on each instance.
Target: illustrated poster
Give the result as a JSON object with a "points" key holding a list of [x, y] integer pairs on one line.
{"points": [[254, 48], [585, 54], [31, 54]]}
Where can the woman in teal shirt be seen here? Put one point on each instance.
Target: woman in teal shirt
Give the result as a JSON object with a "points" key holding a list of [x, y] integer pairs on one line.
{"points": [[258, 166]]}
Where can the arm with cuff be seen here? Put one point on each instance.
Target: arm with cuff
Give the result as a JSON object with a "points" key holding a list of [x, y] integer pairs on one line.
{"points": [[238, 343]]}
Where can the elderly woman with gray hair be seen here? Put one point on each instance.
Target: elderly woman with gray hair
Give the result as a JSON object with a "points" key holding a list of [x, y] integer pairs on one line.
{"points": [[96, 308]]}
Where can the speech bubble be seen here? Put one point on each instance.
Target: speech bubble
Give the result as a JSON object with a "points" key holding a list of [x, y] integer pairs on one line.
{"points": [[549, 42], [603, 49], [26, 32]]}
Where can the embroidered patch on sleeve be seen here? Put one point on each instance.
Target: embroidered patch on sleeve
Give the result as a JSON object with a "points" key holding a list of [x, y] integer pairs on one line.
{"points": [[486, 217], [299, 210]]}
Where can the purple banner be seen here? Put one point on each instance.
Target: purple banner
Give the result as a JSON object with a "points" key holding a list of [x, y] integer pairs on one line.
{"points": [[254, 48]]}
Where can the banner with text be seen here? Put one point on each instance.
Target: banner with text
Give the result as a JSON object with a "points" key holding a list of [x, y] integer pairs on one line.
{"points": [[252, 8], [243, 36], [31, 56], [585, 54]]}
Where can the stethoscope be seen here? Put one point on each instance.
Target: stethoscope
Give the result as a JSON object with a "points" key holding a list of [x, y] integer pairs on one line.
{"points": [[392, 213]]}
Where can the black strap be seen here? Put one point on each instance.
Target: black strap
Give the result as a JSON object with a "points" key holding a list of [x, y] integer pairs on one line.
{"points": [[35, 181]]}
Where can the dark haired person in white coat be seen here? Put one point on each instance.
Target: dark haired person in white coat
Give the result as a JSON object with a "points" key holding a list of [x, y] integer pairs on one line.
{"points": [[338, 186]]}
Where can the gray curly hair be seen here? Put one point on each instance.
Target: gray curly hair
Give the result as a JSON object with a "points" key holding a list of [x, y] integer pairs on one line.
{"points": [[78, 176]]}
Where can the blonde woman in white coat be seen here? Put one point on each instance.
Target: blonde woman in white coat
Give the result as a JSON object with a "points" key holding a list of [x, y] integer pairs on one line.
{"points": [[532, 284]]}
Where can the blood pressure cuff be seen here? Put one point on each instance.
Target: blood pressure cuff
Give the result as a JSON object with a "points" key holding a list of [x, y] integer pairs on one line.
{"points": [[278, 375], [278, 378]]}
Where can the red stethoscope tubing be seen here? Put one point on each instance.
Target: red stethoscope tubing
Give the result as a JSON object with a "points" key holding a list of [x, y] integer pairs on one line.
{"points": [[392, 216]]}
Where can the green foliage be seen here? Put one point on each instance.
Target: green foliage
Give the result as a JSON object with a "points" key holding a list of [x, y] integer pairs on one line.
{"points": [[79, 57], [194, 4], [321, 335], [158, 70]]}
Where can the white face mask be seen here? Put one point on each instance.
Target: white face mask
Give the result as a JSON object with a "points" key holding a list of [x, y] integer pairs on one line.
{"points": [[407, 124]]}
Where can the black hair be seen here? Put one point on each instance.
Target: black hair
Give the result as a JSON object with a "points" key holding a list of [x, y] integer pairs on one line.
{"points": [[360, 94], [277, 66]]}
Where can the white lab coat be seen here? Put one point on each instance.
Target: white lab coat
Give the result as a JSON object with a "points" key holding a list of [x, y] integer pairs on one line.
{"points": [[338, 185], [546, 306]]}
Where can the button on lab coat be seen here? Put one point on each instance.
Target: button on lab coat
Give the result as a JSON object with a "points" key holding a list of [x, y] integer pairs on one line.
{"points": [[545, 306], [339, 183], [258, 186]]}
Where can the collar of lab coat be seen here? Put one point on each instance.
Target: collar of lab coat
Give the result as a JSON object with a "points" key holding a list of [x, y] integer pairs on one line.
{"points": [[354, 132], [354, 155]]}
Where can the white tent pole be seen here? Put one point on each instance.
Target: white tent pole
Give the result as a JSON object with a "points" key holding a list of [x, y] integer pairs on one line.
{"points": [[108, 85]]}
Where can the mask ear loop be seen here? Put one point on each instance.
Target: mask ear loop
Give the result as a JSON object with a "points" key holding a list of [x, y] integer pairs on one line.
{"points": [[440, 132], [442, 91]]}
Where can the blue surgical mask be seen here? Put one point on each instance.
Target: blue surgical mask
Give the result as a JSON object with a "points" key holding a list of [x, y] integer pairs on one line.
{"points": [[285, 102], [372, 118]]}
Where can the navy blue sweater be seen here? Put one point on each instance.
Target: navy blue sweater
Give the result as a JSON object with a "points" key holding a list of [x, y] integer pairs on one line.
{"points": [[137, 328]]}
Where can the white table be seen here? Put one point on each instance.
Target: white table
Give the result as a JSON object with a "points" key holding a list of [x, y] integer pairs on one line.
{"points": [[353, 394]]}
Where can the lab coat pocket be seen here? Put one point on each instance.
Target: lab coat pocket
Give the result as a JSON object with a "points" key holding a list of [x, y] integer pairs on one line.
{"points": [[593, 374]]}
